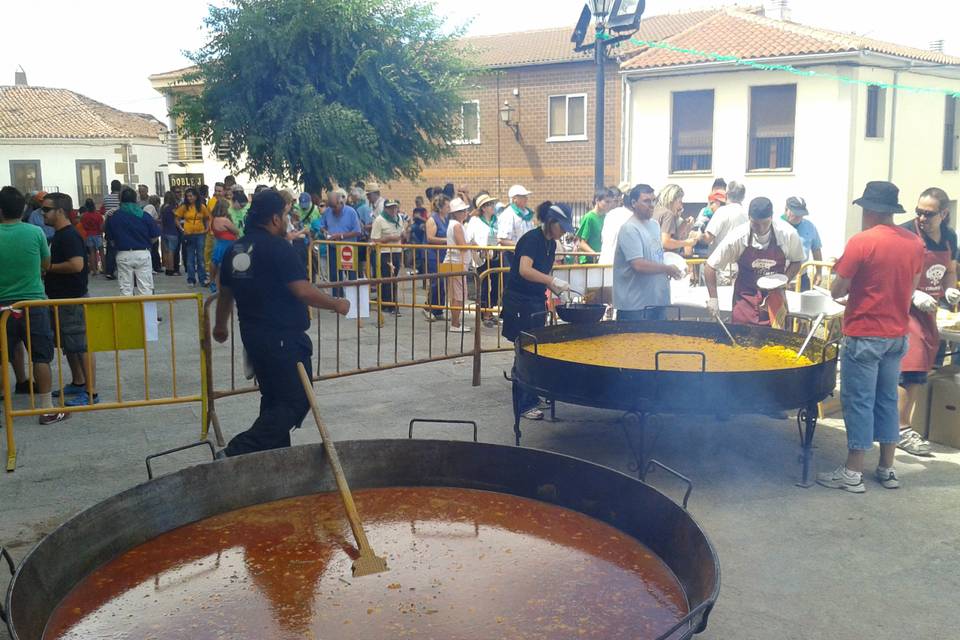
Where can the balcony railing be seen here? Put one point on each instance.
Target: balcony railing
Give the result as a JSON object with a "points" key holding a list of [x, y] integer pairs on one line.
{"points": [[183, 149]]}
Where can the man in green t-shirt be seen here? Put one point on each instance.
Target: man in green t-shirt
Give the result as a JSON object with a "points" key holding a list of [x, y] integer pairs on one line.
{"points": [[24, 254], [591, 226]]}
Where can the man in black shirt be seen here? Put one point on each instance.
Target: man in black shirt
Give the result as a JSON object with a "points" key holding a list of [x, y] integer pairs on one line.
{"points": [[67, 278], [269, 283]]}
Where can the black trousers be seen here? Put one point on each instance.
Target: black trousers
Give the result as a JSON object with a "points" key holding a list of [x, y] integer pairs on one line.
{"points": [[389, 268], [110, 261], [283, 403], [155, 256], [490, 287]]}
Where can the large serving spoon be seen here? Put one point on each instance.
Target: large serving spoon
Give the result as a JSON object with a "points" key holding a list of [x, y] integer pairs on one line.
{"points": [[368, 562]]}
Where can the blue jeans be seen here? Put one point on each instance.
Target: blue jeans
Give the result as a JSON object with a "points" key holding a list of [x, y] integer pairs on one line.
{"points": [[194, 243], [869, 372]]}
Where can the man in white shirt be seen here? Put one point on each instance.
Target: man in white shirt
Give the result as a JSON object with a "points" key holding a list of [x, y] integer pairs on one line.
{"points": [[611, 229], [728, 217], [762, 247], [516, 219]]}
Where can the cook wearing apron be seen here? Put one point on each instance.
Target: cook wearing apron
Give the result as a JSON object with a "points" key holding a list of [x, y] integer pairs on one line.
{"points": [[525, 294], [937, 279], [760, 248]]}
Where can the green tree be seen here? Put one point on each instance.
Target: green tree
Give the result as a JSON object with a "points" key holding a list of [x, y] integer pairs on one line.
{"points": [[326, 91]]}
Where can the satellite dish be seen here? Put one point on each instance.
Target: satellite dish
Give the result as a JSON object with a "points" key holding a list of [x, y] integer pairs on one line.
{"points": [[580, 32], [626, 15]]}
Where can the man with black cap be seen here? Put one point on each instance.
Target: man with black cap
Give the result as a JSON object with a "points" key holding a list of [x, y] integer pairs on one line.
{"points": [[524, 296], [640, 278], [796, 214], [879, 272], [762, 247], [270, 285]]}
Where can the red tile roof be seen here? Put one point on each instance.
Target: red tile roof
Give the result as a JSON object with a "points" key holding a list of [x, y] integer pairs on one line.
{"points": [[553, 46], [41, 112], [747, 35]]}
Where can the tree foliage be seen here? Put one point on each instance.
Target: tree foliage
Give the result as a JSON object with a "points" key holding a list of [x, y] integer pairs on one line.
{"points": [[326, 91]]}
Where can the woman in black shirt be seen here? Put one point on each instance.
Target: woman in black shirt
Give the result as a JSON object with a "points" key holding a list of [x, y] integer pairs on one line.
{"points": [[524, 296]]}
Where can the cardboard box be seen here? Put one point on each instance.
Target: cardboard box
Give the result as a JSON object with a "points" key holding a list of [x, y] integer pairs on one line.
{"points": [[944, 410]]}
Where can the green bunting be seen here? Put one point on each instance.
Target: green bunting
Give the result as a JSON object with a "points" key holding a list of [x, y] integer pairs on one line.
{"points": [[786, 68]]}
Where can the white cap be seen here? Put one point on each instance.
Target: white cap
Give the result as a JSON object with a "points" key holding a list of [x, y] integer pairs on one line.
{"points": [[517, 190], [457, 204]]}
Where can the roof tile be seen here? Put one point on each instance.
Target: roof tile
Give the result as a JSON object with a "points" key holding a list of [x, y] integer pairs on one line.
{"points": [[750, 36]]}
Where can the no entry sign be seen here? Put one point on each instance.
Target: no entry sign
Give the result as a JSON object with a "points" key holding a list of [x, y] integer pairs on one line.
{"points": [[345, 258]]}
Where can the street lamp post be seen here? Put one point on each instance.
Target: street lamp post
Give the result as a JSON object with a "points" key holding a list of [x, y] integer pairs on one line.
{"points": [[600, 57], [608, 15]]}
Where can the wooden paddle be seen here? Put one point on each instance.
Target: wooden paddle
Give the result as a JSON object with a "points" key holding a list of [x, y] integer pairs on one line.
{"points": [[368, 562]]}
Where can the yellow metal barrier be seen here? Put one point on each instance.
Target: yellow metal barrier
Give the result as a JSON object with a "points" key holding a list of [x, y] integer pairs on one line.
{"points": [[116, 324], [348, 347]]}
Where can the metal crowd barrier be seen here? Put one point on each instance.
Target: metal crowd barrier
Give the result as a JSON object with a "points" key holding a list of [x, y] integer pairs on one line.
{"points": [[347, 347], [117, 324]]}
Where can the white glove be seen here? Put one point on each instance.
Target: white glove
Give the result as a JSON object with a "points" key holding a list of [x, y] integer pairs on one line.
{"points": [[713, 306], [924, 302], [558, 286], [952, 295]]}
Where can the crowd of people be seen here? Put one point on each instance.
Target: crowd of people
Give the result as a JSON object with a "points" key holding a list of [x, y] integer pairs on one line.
{"points": [[891, 278]]}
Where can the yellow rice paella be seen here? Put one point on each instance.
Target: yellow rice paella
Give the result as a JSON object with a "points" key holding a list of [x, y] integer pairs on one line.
{"points": [[636, 351]]}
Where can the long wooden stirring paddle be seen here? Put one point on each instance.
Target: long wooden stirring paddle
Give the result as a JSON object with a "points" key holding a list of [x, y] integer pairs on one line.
{"points": [[368, 562]]}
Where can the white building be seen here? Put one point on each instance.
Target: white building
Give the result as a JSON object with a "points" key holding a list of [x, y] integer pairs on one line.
{"points": [[690, 118], [58, 140]]}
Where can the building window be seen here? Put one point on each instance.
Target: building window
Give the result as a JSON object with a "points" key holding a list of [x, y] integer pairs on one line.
{"points": [[469, 122], [567, 117], [773, 111], [876, 111], [91, 180], [951, 158], [692, 137], [25, 175]]}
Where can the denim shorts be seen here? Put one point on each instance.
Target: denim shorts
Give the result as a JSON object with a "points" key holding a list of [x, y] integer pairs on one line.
{"points": [[869, 373], [171, 242], [94, 242], [41, 333]]}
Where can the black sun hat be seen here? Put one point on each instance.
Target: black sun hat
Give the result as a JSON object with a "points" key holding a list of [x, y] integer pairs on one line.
{"points": [[880, 196]]}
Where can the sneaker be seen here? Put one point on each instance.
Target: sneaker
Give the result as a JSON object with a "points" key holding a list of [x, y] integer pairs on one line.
{"points": [[50, 418], [842, 478], [913, 443], [110, 277], [221, 454], [82, 399], [461, 329], [176, 273], [489, 324], [429, 317], [69, 390], [532, 414], [887, 477]]}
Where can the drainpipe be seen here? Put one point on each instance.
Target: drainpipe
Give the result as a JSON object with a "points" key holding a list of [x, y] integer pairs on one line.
{"points": [[893, 124]]}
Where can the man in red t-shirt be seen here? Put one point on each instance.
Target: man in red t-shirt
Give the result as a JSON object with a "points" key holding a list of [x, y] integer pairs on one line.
{"points": [[878, 271]]}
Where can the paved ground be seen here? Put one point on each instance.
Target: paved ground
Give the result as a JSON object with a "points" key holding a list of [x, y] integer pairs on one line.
{"points": [[795, 563]]}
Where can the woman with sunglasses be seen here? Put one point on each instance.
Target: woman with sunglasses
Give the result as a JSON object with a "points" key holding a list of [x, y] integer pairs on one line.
{"points": [[938, 281]]}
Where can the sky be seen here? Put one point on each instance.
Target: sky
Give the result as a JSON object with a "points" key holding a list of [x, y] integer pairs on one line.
{"points": [[107, 48]]}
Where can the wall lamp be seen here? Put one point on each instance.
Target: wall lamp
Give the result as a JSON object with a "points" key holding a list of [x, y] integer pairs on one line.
{"points": [[506, 117]]}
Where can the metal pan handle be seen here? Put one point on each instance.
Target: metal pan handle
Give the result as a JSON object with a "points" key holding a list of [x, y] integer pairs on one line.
{"points": [[154, 456], [13, 571], [833, 343], [438, 421], [702, 610], [684, 479], [533, 338], [703, 358]]}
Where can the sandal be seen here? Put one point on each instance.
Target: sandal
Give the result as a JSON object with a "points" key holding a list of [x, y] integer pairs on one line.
{"points": [[532, 414]]}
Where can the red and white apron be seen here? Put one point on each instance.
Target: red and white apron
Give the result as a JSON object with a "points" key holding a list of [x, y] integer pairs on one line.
{"points": [[922, 330], [754, 264]]}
